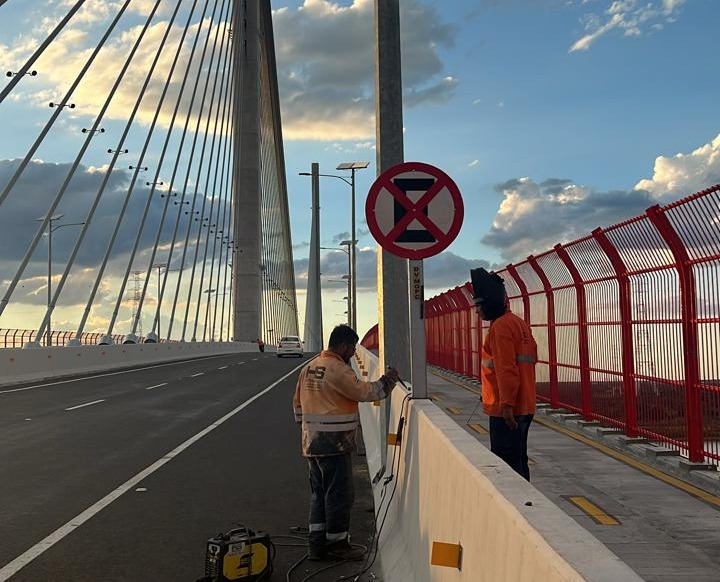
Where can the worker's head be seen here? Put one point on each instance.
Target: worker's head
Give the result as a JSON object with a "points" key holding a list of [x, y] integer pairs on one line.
{"points": [[489, 294], [343, 340]]}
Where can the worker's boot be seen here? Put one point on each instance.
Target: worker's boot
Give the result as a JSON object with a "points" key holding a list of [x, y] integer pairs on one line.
{"points": [[343, 550]]}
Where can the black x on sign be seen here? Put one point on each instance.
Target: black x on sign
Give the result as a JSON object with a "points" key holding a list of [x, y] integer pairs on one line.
{"points": [[414, 210]]}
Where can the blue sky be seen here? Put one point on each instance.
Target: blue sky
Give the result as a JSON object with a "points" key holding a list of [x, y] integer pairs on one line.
{"points": [[552, 116]]}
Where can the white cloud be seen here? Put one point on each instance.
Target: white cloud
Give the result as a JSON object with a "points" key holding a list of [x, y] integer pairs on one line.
{"points": [[533, 217], [631, 17], [683, 174], [326, 60]]}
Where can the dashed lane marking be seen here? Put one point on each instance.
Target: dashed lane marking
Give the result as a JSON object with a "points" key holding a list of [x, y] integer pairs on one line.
{"points": [[196, 375], [11, 568], [222, 367], [157, 386], [86, 404]]}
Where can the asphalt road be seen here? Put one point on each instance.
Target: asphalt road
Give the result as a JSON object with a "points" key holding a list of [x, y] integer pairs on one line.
{"points": [[123, 477]]}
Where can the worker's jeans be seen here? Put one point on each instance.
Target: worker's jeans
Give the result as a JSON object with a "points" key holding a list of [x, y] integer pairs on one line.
{"points": [[511, 445], [331, 499]]}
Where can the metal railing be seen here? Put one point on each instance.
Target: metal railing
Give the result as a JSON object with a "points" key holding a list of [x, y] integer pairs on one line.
{"points": [[627, 321], [17, 338]]}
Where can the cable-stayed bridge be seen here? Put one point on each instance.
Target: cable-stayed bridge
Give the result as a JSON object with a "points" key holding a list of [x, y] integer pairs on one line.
{"points": [[145, 210]]}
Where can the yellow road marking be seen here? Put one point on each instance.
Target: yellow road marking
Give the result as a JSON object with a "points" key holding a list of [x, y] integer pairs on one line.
{"points": [[696, 492], [594, 511], [453, 410], [478, 428]]}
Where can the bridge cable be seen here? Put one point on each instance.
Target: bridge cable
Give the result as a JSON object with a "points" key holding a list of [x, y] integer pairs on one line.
{"points": [[206, 221], [108, 172], [58, 197], [39, 51], [131, 188], [41, 136], [189, 163], [168, 136]]}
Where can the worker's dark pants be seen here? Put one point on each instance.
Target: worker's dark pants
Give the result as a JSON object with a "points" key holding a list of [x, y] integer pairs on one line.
{"points": [[331, 499], [511, 445]]}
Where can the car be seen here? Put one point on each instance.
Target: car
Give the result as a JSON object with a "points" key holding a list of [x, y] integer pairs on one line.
{"points": [[290, 345]]}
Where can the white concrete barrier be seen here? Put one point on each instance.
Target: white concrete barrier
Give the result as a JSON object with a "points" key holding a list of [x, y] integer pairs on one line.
{"points": [[26, 365], [447, 487]]}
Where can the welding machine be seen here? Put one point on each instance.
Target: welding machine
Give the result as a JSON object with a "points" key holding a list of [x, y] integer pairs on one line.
{"points": [[239, 554]]}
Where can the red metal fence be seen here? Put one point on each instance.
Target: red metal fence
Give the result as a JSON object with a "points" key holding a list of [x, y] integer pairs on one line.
{"points": [[627, 321], [17, 338]]}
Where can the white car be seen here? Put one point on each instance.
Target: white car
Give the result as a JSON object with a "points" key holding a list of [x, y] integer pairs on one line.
{"points": [[290, 345]]}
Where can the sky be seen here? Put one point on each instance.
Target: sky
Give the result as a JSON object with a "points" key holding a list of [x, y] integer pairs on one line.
{"points": [[553, 117]]}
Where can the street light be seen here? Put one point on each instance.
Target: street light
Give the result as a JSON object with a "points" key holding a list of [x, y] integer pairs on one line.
{"points": [[51, 229], [352, 166]]}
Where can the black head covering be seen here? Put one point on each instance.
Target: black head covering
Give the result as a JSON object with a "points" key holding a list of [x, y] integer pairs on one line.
{"points": [[488, 292]]}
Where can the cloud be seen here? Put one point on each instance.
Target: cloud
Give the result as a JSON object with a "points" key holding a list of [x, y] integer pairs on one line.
{"points": [[684, 174], [533, 217], [326, 59], [630, 17]]}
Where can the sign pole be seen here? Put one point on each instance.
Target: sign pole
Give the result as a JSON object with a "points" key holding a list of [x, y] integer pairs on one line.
{"points": [[418, 357]]}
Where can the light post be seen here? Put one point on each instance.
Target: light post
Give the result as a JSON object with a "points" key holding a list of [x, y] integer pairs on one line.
{"points": [[51, 229], [159, 267], [352, 166], [207, 311]]}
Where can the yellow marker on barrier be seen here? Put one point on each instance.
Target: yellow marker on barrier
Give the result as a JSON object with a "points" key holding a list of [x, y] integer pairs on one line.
{"points": [[453, 410], [444, 554]]}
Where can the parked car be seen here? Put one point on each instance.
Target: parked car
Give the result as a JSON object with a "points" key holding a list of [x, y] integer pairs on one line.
{"points": [[290, 345]]}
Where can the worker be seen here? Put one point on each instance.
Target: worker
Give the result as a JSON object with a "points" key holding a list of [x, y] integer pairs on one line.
{"points": [[326, 403], [509, 355]]}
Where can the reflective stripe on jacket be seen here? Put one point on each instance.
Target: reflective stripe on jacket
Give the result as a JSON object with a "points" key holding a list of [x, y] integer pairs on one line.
{"points": [[326, 402], [509, 355]]}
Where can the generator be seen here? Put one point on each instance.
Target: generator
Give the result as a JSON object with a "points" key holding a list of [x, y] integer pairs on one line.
{"points": [[239, 554]]}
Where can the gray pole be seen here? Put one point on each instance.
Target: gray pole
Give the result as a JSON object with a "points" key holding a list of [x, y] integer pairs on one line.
{"points": [[313, 299], [352, 297], [48, 342], [247, 291], [393, 304]]}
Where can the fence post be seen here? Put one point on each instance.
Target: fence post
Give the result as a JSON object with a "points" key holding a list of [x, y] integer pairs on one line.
{"points": [[584, 351], [628, 351], [523, 292], [688, 306], [552, 342]]}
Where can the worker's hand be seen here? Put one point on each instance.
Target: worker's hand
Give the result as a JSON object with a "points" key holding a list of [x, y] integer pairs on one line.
{"points": [[509, 417], [392, 374]]}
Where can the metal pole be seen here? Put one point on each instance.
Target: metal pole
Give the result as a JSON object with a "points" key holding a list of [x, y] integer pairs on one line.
{"points": [[48, 341], [313, 305], [353, 255]]}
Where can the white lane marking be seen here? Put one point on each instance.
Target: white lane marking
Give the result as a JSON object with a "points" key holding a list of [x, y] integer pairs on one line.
{"points": [[111, 374], [86, 404], [196, 375], [255, 359], [11, 568], [240, 363], [222, 367], [157, 386]]}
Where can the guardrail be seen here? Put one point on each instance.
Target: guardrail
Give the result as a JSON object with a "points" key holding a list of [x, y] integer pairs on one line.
{"points": [[627, 321], [17, 338]]}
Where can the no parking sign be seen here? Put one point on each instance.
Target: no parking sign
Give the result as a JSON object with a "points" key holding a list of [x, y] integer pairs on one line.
{"points": [[415, 211]]}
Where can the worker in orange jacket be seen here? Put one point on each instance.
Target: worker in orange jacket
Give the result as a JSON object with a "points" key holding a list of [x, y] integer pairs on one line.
{"points": [[326, 403], [509, 355]]}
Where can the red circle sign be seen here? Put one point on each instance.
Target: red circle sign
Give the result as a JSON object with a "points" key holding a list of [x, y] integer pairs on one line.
{"points": [[414, 210]]}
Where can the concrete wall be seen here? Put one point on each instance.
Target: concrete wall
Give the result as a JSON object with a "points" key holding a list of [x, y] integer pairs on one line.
{"points": [[450, 488], [24, 365]]}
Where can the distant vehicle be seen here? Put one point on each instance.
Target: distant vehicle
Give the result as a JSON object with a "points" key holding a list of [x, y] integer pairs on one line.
{"points": [[290, 345]]}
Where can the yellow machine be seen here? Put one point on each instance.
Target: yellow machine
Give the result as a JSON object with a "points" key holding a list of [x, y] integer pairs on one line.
{"points": [[239, 554]]}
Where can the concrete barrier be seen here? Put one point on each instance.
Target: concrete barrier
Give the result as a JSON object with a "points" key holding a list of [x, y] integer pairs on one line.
{"points": [[19, 365], [447, 487]]}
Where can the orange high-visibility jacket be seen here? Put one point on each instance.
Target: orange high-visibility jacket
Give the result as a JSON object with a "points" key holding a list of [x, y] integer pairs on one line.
{"points": [[326, 402], [509, 355]]}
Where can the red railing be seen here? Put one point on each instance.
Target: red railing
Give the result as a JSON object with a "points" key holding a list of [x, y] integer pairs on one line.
{"points": [[17, 338], [627, 321]]}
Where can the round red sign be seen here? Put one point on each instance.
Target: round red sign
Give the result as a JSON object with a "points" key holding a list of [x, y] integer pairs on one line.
{"points": [[414, 210]]}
